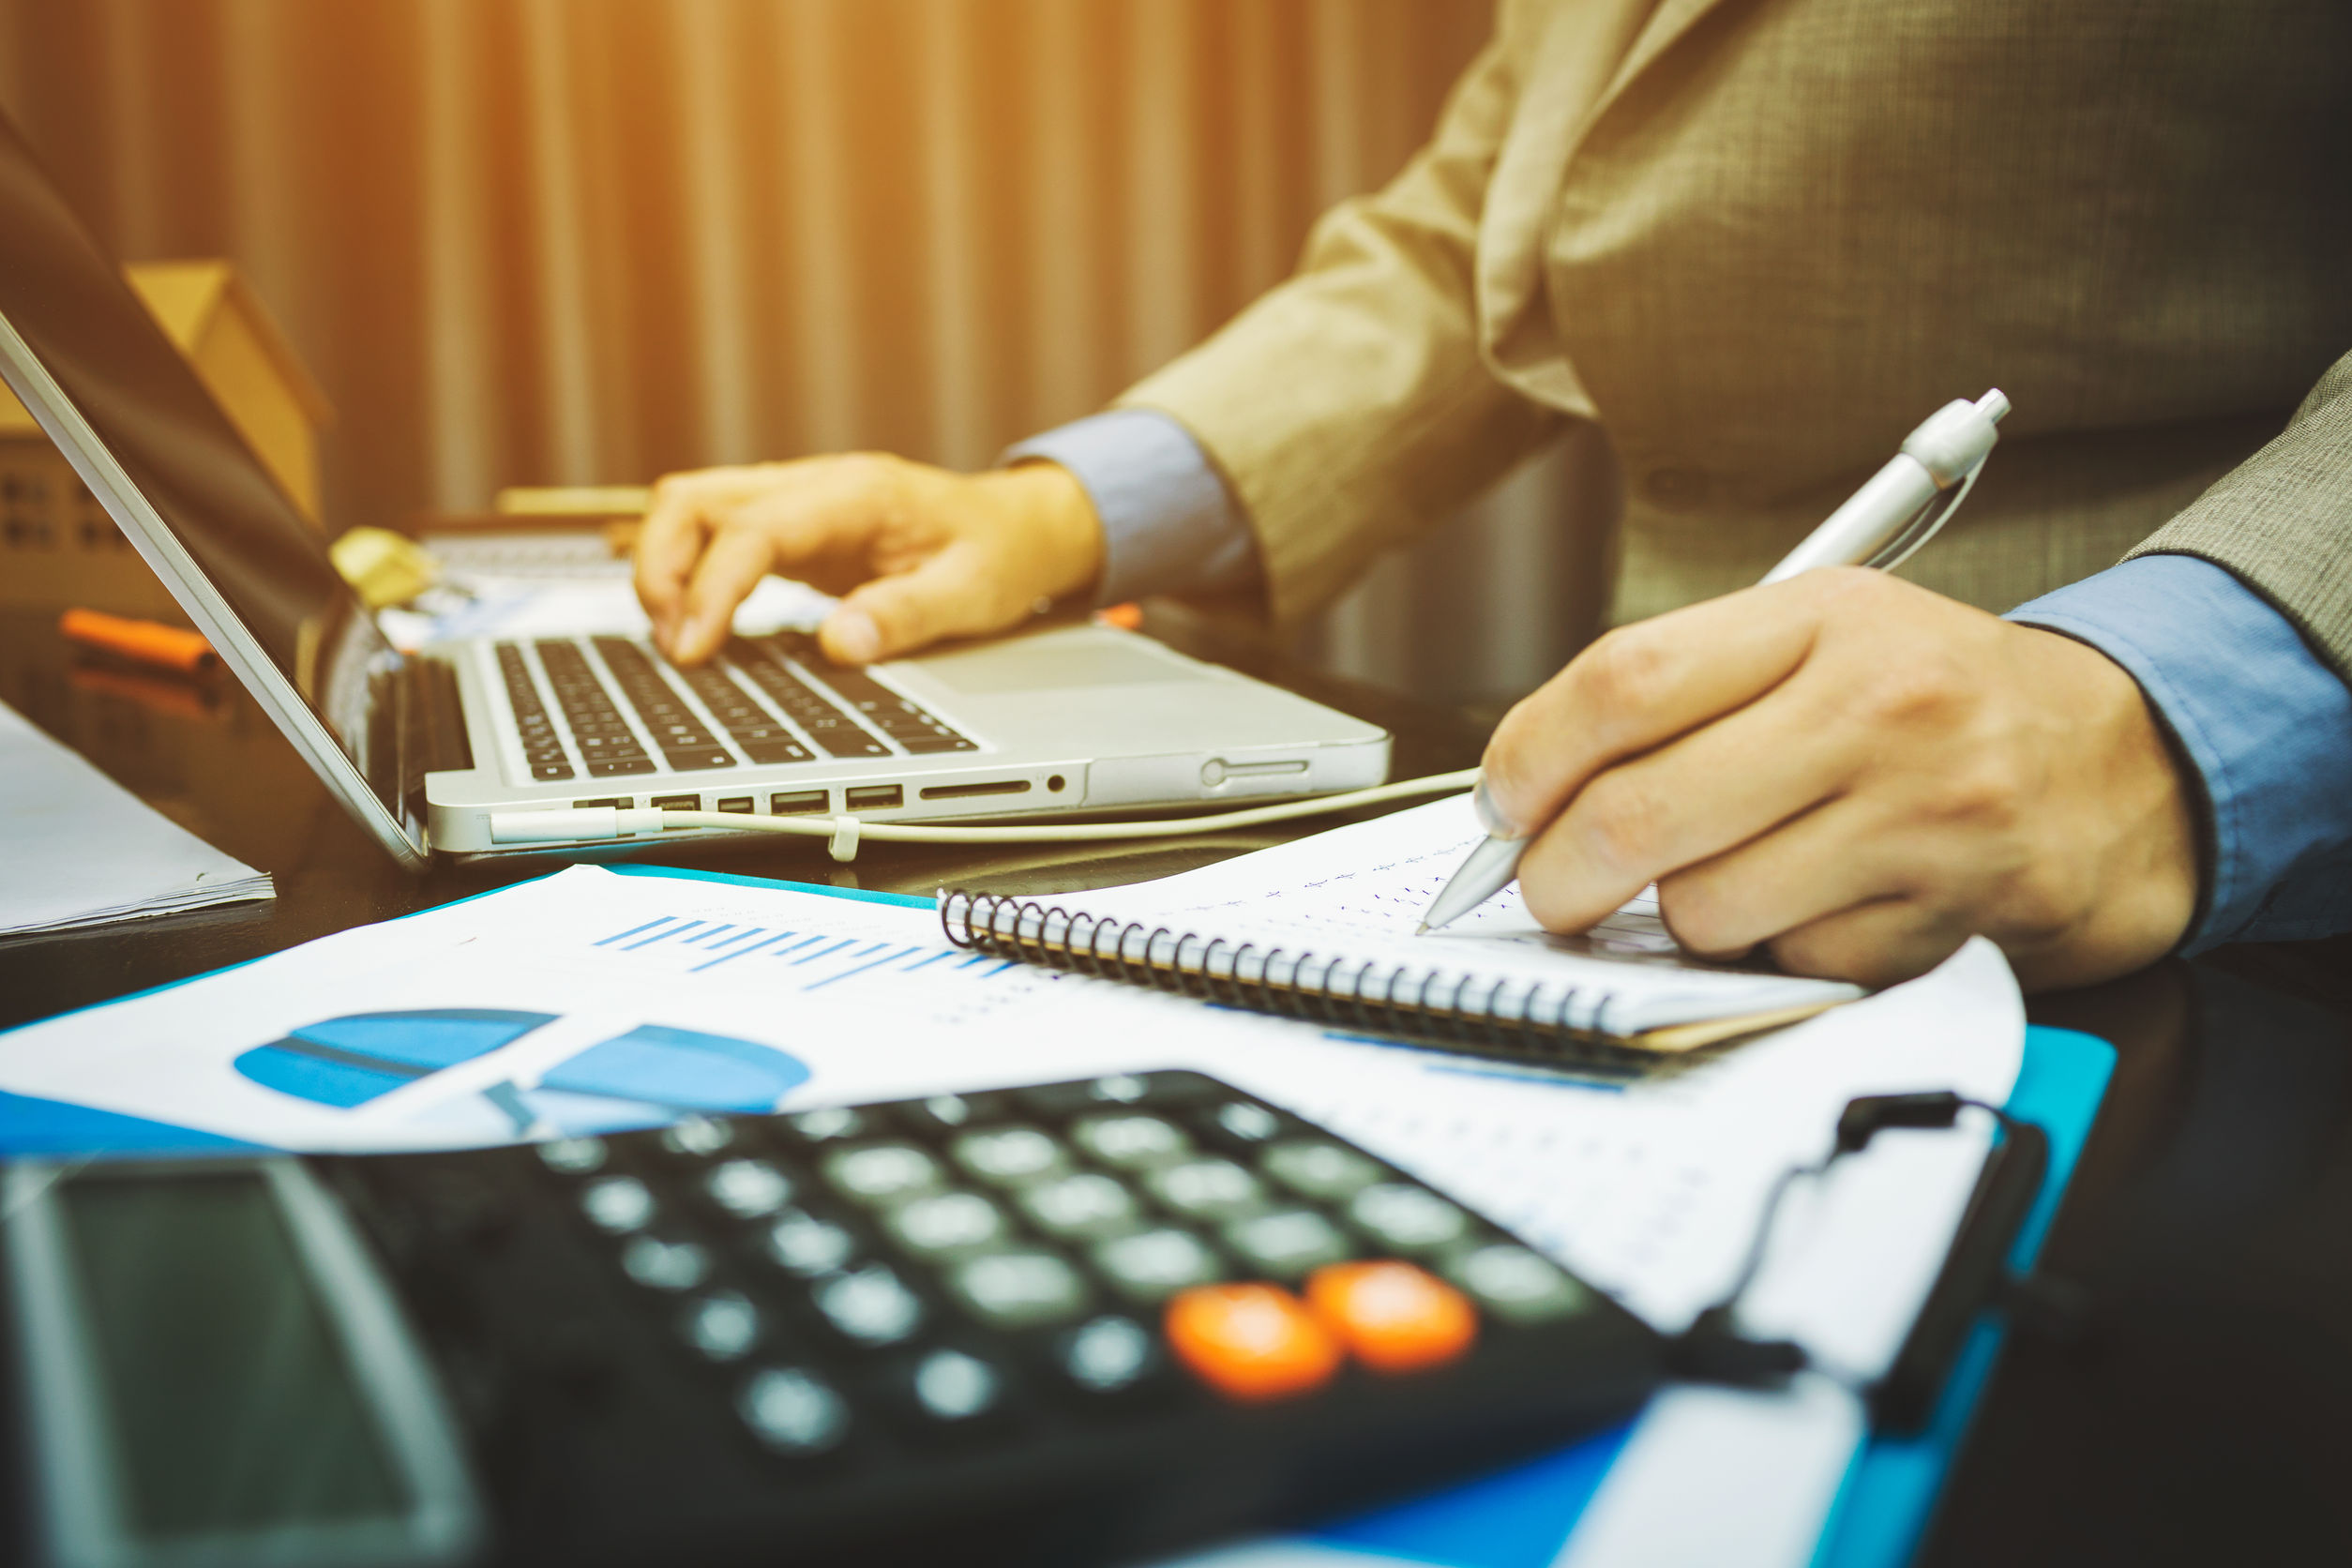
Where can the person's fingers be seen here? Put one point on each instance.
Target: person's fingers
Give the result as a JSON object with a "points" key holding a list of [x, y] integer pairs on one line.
{"points": [[668, 543], [730, 567], [1716, 787], [1641, 686], [1879, 943], [1842, 853], [955, 593], [815, 522]]}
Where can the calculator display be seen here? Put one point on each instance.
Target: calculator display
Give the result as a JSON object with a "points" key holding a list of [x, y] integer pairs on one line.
{"points": [[230, 1407], [211, 1369]]}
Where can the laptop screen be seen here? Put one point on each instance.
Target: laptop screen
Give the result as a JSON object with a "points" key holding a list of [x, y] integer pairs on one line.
{"points": [[67, 302]]}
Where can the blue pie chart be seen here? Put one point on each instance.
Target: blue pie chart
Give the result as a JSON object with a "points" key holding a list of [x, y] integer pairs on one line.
{"points": [[347, 1062]]}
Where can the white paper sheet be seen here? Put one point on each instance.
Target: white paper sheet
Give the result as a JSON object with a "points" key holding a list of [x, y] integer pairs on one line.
{"points": [[77, 849]]}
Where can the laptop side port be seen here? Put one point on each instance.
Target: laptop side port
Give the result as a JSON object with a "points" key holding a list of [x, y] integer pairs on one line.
{"points": [[677, 803], [798, 802], [618, 803], [965, 792], [738, 803], [874, 797]]}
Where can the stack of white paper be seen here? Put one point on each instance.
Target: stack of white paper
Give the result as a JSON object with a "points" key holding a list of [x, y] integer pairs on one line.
{"points": [[76, 848]]}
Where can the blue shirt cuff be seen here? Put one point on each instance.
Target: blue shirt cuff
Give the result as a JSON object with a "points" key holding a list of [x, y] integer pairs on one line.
{"points": [[2265, 724], [1169, 525]]}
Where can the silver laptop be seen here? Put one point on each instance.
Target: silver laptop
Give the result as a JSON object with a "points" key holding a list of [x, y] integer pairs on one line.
{"points": [[441, 750]]}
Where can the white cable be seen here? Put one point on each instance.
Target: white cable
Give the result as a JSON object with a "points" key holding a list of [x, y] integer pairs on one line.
{"points": [[847, 832]]}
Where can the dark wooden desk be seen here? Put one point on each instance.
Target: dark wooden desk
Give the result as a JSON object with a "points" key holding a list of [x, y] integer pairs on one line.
{"points": [[2201, 1418]]}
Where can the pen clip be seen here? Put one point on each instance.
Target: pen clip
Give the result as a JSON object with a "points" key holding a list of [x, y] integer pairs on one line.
{"points": [[1924, 524]]}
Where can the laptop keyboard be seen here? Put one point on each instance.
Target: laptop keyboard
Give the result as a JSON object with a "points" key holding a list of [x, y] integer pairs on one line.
{"points": [[606, 745], [684, 744], [542, 748], [921, 734], [816, 713]]}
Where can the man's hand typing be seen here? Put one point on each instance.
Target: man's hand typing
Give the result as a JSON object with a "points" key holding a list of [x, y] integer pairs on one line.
{"points": [[917, 553]]}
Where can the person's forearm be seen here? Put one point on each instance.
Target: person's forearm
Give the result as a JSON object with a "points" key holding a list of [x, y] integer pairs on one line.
{"points": [[2265, 726], [1169, 524]]}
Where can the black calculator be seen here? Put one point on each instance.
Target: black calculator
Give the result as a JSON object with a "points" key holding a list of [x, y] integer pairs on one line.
{"points": [[1078, 1322]]}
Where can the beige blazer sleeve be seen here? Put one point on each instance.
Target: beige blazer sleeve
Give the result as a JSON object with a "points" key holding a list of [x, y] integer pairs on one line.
{"points": [[2282, 520], [1351, 404]]}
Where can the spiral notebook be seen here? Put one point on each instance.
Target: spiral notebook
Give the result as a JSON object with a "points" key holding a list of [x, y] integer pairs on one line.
{"points": [[1322, 928]]}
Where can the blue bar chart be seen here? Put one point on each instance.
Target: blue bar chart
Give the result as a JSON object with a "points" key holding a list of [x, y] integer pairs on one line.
{"points": [[807, 961]]}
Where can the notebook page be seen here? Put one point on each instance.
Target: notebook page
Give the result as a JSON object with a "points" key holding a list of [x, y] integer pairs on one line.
{"points": [[1324, 910]]}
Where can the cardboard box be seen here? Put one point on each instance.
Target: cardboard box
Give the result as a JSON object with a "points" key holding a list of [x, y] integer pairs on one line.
{"points": [[57, 546]]}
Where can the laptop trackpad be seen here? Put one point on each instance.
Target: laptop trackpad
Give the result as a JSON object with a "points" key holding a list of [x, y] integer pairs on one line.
{"points": [[1054, 663]]}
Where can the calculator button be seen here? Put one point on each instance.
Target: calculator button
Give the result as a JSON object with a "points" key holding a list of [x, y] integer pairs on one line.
{"points": [[1288, 1244], [1108, 1355], [748, 1189], [1324, 1172], [945, 1223], [660, 1265], [1018, 1290], [1007, 1156], [574, 1156], [723, 1327], [1515, 1284], [1086, 1207], [951, 1386], [871, 1306], [698, 1137], [1130, 1142], [945, 1113], [1407, 1218], [1068, 1099], [1247, 1123], [1152, 1265], [1251, 1341], [1207, 1189], [1392, 1316], [829, 1126], [945, 1110], [808, 1246], [883, 1172], [793, 1412], [617, 1204]]}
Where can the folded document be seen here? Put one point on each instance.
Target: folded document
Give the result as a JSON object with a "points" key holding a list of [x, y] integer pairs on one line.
{"points": [[77, 849]]}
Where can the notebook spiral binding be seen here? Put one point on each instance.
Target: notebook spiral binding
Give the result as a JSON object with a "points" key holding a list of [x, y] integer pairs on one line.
{"points": [[1368, 998]]}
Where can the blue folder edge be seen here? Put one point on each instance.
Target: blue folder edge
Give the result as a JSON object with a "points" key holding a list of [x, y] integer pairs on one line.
{"points": [[1519, 1517]]}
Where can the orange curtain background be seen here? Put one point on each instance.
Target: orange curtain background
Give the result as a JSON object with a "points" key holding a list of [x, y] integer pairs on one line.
{"points": [[582, 241]]}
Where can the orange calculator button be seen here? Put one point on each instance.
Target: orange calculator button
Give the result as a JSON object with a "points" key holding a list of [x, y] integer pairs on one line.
{"points": [[1394, 1317], [1250, 1341]]}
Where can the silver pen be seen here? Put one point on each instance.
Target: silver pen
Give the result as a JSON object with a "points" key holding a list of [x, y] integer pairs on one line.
{"points": [[1897, 511]]}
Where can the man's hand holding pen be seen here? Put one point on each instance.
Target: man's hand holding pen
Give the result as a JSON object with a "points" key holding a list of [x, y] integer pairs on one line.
{"points": [[1855, 774]]}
